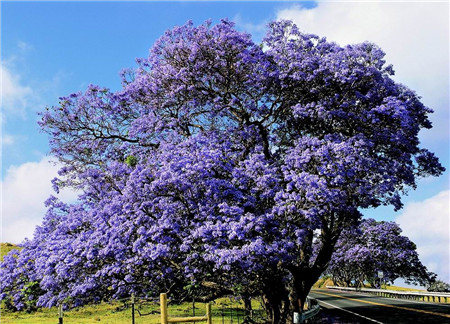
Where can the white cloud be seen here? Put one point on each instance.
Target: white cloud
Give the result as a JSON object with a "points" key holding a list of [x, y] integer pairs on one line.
{"points": [[7, 140], [24, 190], [15, 96], [24, 47], [22, 93], [414, 35], [256, 30], [426, 223]]}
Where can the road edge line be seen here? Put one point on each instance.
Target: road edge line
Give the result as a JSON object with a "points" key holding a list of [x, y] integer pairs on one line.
{"points": [[353, 313], [387, 305]]}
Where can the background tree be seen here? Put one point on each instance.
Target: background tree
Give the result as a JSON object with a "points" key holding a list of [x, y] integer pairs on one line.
{"points": [[439, 285], [218, 160], [374, 246]]}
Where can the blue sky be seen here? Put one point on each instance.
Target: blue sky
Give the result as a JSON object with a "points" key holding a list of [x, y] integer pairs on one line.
{"points": [[51, 49], [60, 47]]}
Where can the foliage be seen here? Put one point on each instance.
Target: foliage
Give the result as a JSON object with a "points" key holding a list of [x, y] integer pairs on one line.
{"points": [[374, 246], [215, 164], [439, 286]]}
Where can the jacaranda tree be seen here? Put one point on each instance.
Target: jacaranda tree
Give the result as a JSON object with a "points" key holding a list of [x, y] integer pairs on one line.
{"points": [[216, 165], [364, 250]]}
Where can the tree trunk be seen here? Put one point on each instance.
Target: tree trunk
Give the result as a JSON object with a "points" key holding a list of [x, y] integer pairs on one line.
{"points": [[272, 310], [276, 299], [305, 276], [280, 304], [303, 281], [248, 309], [280, 301]]}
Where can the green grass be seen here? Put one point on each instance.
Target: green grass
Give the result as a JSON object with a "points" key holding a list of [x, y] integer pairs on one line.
{"points": [[388, 287], [323, 282], [102, 313], [116, 313]]}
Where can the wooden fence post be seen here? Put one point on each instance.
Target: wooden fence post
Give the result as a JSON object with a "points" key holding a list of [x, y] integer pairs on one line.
{"points": [[208, 314], [60, 313], [132, 309], [163, 302]]}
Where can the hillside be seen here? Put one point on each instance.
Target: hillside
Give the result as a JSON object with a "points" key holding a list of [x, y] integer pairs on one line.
{"points": [[5, 248]]}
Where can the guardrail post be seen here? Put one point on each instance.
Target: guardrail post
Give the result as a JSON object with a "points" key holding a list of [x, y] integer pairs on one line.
{"points": [[163, 303], [436, 297]]}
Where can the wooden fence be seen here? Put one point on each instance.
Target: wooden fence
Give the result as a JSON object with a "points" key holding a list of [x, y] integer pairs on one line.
{"points": [[165, 319]]}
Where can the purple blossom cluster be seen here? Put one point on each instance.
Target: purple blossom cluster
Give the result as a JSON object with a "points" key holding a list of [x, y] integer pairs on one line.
{"points": [[363, 251], [215, 164]]}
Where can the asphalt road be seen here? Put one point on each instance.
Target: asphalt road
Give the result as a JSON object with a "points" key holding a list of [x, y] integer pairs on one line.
{"points": [[349, 307]]}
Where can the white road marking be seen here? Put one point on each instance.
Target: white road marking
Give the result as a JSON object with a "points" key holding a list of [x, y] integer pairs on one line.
{"points": [[345, 310]]}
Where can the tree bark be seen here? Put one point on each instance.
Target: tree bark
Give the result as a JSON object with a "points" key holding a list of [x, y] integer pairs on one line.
{"points": [[304, 276], [247, 309], [276, 299]]}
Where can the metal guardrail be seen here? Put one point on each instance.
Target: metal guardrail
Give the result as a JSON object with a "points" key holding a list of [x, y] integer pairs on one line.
{"points": [[313, 310], [414, 295]]}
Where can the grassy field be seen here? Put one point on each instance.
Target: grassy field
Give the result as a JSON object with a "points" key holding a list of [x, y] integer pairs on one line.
{"points": [[224, 310], [388, 287], [323, 282], [103, 313]]}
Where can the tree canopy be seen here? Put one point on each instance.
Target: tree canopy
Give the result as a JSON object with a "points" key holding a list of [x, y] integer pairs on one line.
{"points": [[362, 251], [215, 164], [439, 286]]}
